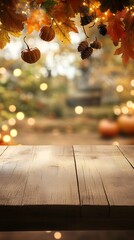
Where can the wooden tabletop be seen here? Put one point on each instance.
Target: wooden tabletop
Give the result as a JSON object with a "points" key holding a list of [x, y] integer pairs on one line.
{"points": [[66, 187]]}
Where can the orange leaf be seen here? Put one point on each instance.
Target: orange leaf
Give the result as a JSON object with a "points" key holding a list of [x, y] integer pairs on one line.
{"points": [[62, 30], [127, 47], [36, 19], [116, 27]]}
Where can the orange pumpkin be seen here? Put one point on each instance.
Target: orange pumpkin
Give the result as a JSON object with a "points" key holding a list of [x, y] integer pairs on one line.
{"points": [[30, 55], [126, 123], [47, 33], [108, 128]]}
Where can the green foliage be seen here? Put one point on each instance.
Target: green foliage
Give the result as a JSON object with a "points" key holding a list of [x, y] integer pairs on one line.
{"points": [[48, 4]]}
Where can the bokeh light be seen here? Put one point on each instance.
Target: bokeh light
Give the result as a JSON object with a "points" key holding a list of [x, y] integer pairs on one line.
{"points": [[20, 115], [57, 235], [43, 86], [78, 109], [17, 72], [119, 88]]}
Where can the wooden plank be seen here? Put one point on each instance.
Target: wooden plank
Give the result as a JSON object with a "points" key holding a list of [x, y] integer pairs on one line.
{"points": [[92, 194], [128, 151], [15, 163], [52, 182], [116, 175], [2, 149]]}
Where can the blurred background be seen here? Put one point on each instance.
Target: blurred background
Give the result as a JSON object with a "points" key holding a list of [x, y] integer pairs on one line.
{"points": [[62, 99]]}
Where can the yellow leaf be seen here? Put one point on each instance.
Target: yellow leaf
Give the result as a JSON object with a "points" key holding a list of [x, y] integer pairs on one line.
{"points": [[15, 34], [62, 30], [4, 38]]}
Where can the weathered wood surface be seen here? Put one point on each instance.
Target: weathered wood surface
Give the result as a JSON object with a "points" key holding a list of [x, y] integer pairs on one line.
{"points": [[66, 187]]}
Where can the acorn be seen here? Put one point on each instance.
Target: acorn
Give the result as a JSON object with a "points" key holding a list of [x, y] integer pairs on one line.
{"points": [[86, 53], [102, 29], [87, 19], [95, 44], [82, 46]]}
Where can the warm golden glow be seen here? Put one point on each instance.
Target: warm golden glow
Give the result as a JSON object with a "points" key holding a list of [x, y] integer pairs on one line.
{"points": [[6, 138], [12, 108], [17, 72], [31, 121], [57, 235], [20, 115], [13, 133], [4, 127], [78, 109], [12, 121], [124, 110], [119, 88], [43, 86]]}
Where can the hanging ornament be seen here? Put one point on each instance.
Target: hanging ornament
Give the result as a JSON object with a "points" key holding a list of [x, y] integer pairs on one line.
{"points": [[95, 44], [102, 29], [85, 20], [47, 33], [82, 46], [86, 53], [30, 55]]}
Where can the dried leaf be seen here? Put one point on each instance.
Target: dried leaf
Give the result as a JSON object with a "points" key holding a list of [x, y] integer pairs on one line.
{"points": [[127, 47], [116, 26], [11, 20]]}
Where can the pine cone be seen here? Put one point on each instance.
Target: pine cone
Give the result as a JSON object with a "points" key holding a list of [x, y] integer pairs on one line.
{"points": [[86, 53]]}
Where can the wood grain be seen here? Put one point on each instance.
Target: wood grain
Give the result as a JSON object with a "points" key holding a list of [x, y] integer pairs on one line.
{"points": [[92, 194], [67, 188], [52, 181], [13, 173], [128, 152], [116, 174]]}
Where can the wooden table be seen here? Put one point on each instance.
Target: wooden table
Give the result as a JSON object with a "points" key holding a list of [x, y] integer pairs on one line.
{"points": [[66, 187]]}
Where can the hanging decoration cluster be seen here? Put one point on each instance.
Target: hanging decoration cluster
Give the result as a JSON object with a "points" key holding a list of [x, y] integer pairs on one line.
{"points": [[57, 18]]}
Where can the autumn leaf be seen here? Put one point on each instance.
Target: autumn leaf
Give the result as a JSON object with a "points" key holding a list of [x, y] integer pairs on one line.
{"points": [[75, 4], [11, 20], [113, 5], [62, 30], [4, 38], [116, 26], [36, 19], [127, 40], [127, 47]]}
